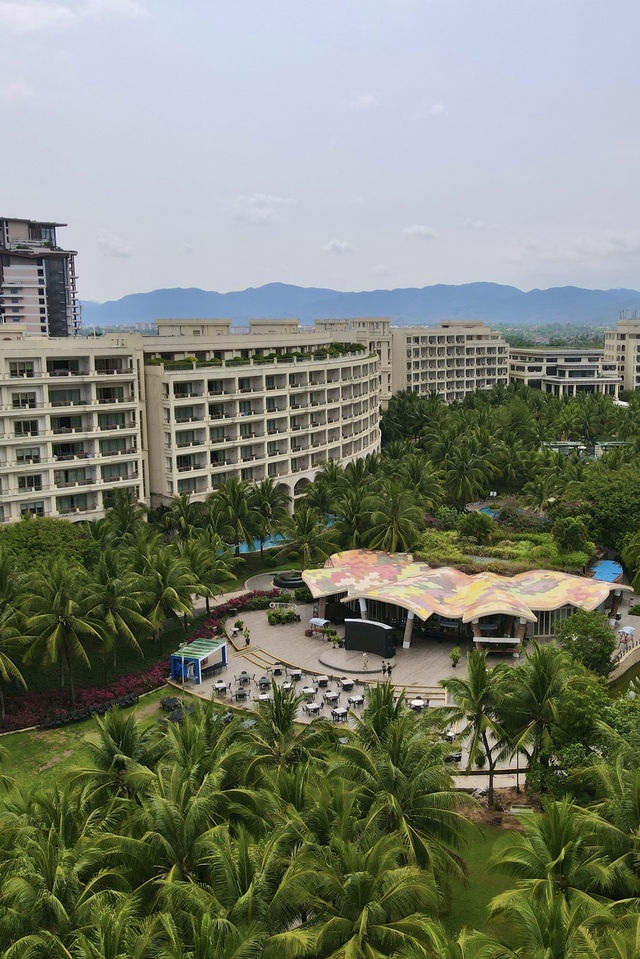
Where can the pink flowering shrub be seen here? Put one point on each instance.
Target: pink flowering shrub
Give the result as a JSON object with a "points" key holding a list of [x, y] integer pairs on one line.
{"points": [[32, 709]]}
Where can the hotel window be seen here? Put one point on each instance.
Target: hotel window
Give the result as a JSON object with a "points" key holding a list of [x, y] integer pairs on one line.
{"points": [[32, 509], [30, 482], [23, 401], [26, 428], [28, 454]]}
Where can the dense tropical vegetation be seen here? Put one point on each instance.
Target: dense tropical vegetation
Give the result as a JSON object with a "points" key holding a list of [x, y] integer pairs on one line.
{"points": [[238, 840], [269, 839]]}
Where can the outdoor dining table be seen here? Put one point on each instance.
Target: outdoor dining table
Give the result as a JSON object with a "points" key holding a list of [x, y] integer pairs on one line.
{"points": [[277, 669], [263, 697], [295, 674], [308, 690], [357, 700], [312, 708], [264, 682], [286, 685], [323, 681], [244, 677], [170, 703], [340, 714], [331, 697], [346, 683], [418, 704], [240, 694], [220, 686]]}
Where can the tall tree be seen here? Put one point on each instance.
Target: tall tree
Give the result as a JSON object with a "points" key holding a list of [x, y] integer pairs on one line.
{"points": [[477, 703], [395, 518], [306, 534], [270, 501], [236, 512], [59, 626], [114, 597], [10, 638]]}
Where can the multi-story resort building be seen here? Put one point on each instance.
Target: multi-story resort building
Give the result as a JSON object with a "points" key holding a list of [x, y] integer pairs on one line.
{"points": [[72, 424], [451, 360], [564, 372], [622, 349], [277, 401], [37, 279]]}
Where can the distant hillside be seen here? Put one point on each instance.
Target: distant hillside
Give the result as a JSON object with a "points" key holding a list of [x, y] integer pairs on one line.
{"points": [[490, 302]]}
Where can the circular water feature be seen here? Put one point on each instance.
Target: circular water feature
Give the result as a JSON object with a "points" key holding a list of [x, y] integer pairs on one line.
{"points": [[288, 579]]}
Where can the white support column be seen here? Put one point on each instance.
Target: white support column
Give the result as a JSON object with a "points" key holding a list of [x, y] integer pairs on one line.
{"points": [[408, 629], [363, 608]]}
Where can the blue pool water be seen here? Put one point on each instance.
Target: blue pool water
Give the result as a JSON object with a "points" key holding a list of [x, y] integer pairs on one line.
{"points": [[255, 546], [607, 571], [490, 511]]}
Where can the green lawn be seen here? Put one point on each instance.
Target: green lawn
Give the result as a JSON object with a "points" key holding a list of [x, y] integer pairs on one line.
{"points": [[37, 757], [470, 901]]}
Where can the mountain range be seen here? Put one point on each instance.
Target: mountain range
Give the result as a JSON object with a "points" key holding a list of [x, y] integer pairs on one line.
{"points": [[491, 302]]}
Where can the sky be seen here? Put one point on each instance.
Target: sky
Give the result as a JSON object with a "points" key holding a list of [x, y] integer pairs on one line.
{"points": [[351, 144]]}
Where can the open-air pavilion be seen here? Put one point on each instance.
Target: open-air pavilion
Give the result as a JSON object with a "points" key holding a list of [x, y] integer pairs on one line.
{"points": [[493, 610]]}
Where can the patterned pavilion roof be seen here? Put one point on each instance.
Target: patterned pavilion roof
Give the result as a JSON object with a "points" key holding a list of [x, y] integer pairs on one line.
{"points": [[395, 578]]}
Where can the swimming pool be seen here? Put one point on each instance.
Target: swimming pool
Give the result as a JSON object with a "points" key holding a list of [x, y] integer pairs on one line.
{"points": [[490, 511], [607, 571]]}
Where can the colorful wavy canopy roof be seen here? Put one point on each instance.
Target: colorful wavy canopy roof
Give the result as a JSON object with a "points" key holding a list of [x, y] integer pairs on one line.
{"points": [[394, 578]]}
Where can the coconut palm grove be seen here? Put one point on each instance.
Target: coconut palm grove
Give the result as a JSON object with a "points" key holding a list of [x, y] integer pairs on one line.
{"points": [[240, 832]]}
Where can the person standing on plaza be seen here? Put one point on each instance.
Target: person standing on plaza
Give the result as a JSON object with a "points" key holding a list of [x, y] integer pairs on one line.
{"points": [[365, 661]]}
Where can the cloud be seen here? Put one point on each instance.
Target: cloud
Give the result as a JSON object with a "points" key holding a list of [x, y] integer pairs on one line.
{"points": [[261, 209], [420, 231], [358, 102], [112, 245], [382, 270], [34, 16], [338, 247], [580, 249], [473, 223], [437, 110], [16, 91]]}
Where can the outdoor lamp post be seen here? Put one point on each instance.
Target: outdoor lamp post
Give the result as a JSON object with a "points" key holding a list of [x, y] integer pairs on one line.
{"points": [[181, 647]]}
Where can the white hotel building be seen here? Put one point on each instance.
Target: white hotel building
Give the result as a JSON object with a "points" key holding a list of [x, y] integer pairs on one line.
{"points": [[204, 401]]}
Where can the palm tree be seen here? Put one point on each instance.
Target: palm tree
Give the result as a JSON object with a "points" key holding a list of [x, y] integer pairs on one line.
{"points": [[466, 474], [368, 905], [10, 639], [59, 625], [352, 509], [125, 517], [235, 510], [395, 518], [115, 599], [405, 790], [166, 586], [478, 699], [559, 848], [420, 475], [118, 931], [271, 502], [276, 740], [547, 926], [11, 583], [306, 534], [120, 759], [183, 517], [529, 707], [210, 563]]}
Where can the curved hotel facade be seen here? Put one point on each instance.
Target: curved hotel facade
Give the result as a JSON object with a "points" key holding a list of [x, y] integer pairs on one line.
{"points": [[203, 401], [275, 402]]}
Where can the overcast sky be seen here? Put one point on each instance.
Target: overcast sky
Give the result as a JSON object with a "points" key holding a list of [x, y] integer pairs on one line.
{"points": [[354, 144]]}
